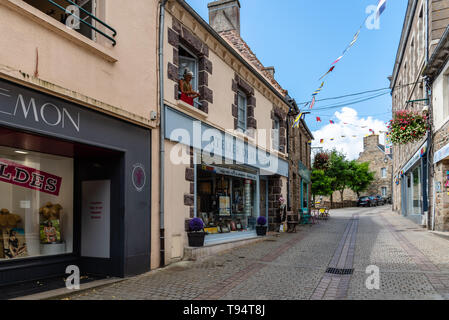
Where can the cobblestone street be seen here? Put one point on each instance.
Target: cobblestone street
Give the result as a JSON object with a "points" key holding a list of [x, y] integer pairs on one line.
{"points": [[413, 263]]}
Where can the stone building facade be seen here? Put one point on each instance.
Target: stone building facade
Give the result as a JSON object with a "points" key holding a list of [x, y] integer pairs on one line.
{"points": [[242, 108], [436, 72], [299, 150], [380, 163], [424, 25]]}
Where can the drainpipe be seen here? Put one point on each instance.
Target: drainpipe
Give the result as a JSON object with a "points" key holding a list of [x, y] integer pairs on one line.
{"points": [[430, 174], [161, 133], [289, 165]]}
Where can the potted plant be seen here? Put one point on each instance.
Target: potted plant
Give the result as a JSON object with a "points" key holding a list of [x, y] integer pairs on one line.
{"points": [[261, 228], [196, 232], [408, 126]]}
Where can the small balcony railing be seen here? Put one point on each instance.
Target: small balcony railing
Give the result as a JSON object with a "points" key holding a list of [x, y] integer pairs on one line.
{"points": [[83, 21]]}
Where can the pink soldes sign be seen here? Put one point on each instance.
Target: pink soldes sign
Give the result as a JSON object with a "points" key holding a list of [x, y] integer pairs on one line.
{"points": [[19, 175]]}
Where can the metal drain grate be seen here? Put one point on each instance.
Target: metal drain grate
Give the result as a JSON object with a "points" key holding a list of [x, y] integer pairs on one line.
{"points": [[339, 271]]}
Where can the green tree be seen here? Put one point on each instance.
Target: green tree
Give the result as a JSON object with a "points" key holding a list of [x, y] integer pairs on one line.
{"points": [[321, 183], [340, 170], [361, 177]]}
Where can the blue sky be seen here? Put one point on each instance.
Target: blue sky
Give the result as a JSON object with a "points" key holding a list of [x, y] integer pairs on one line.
{"points": [[302, 38]]}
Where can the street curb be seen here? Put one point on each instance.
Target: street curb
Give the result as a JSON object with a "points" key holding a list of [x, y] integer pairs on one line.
{"points": [[444, 235], [64, 292]]}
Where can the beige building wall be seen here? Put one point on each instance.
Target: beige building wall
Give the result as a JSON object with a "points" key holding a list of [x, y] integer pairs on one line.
{"points": [[176, 212], [178, 179], [225, 66], [119, 80], [46, 55]]}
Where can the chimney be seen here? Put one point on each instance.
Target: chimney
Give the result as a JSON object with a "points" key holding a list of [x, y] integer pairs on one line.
{"points": [[270, 70], [370, 142], [224, 15]]}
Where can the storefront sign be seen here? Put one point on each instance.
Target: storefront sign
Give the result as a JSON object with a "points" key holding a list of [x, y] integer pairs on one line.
{"points": [[138, 177], [441, 154], [388, 144], [415, 158], [26, 177], [15, 104], [230, 172], [191, 132]]}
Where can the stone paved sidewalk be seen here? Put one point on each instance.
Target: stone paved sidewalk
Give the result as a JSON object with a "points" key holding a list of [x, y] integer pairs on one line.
{"points": [[413, 264]]}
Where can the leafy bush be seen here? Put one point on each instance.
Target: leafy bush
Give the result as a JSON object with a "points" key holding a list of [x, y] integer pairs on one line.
{"points": [[196, 225], [407, 126]]}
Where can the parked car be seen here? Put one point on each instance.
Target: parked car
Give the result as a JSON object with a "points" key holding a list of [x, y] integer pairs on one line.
{"points": [[374, 201], [380, 200], [366, 202]]}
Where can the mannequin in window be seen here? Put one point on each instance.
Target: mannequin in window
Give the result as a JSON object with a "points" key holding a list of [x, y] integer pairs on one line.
{"points": [[187, 92]]}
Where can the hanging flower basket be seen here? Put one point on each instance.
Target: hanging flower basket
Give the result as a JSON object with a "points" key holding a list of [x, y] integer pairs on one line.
{"points": [[407, 126]]}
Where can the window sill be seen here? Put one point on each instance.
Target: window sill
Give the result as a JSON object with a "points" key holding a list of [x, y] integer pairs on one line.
{"points": [[192, 111], [50, 23], [279, 154]]}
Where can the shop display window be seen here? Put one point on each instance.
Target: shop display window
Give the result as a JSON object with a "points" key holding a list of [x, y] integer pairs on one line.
{"points": [[226, 203], [36, 204]]}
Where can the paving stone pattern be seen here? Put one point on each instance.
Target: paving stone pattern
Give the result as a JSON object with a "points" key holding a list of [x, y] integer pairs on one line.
{"points": [[413, 264]]}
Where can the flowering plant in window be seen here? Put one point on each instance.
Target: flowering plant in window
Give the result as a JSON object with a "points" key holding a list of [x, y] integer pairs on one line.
{"points": [[408, 126]]}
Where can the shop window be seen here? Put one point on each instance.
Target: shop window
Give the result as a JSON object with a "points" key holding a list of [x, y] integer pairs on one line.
{"points": [[383, 173], [57, 13], [188, 62], [277, 126], [242, 111], [225, 203], [36, 200]]}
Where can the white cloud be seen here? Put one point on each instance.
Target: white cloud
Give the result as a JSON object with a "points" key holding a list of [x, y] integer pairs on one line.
{"points": [[343, 134]]}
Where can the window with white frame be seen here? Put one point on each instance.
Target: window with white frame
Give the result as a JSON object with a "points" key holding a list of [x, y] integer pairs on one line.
{"points": [[277, 126], [188, 62], [384, 191], [383, 173], [242, 114]]}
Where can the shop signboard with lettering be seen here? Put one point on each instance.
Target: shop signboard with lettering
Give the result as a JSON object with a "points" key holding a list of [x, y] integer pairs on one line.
{"points": [[26, 177]]}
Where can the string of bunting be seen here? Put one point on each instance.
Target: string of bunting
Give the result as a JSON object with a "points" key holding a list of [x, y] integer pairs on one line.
{"points": [[372, 132], [380, 9]]}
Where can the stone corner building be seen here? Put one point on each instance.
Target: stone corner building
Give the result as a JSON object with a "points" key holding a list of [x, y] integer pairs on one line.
{"points": [[415, 70], [380, 163]]}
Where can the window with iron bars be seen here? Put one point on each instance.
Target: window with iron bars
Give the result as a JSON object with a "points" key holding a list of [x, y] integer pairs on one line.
{"points": [[79, 15]]}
